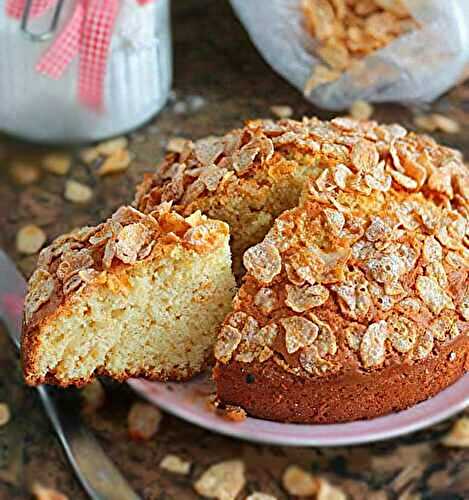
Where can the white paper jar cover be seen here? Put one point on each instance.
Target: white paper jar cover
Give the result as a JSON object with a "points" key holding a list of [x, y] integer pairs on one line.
{"points": [[137, 82]]}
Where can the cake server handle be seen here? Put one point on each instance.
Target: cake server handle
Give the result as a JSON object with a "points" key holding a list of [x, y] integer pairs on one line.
{"points": [[97, 474]]}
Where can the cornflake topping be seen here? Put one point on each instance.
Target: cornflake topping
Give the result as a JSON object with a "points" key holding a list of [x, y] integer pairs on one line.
{"points": [[299, 332], [302, 299], [263, 261], [372, 348], [433, 295], [227, 343]]}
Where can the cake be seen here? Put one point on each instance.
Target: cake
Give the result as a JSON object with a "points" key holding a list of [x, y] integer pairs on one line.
{"points": [[350, 240], [138, 295], [356, 302]]}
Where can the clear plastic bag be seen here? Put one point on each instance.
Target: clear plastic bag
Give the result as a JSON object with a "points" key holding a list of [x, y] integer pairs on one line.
{"points": [[416, 67]]}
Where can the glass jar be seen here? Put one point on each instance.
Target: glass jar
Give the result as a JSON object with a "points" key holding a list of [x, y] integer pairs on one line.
{"points": [[136, 86]]}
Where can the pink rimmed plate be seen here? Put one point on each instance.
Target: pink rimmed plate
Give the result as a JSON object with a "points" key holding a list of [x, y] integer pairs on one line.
{"points": [[188, 401]]}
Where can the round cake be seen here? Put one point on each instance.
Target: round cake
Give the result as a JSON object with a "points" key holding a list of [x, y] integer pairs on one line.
{"points": [[356, 302]]}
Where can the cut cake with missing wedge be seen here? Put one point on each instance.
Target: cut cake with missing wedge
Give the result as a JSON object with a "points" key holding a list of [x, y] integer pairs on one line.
{"points": [[139, 295]]}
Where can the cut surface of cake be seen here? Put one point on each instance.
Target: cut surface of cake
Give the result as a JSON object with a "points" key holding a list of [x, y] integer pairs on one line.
{"points": [[356, 303], [139, 295], [245, 178]]}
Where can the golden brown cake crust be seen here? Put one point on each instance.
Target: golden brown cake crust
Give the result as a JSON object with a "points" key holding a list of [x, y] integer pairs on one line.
{"points": [[366, 279], [267, 392], [88, 258]]}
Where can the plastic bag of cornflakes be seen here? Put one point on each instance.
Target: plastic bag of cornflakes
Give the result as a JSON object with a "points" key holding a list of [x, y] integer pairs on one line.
{"points": [[341, 51]]}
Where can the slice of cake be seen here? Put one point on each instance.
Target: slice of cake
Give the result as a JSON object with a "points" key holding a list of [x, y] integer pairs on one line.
{"points": [[139, 295], [356, 303]]}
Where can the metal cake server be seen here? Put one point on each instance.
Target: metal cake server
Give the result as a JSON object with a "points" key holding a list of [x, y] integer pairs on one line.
{"points": [[95, 471]]}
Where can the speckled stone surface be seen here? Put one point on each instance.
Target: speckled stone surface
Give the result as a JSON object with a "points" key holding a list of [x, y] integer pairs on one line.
{"points": [[220, 80]]}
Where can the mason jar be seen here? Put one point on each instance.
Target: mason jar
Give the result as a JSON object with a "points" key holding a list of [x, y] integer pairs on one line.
{"points": [[136, 85]]}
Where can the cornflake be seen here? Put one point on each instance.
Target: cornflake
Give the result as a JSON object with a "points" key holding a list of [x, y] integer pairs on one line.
{"points": [[41, 286], [143, 421], [372, 346], [446, 124], [424, 345], [298, 482], [263, 261], [353, 336], [312, 362], [329, 492], [93, 397], [57, 163], [435, 298], [458, 436], [281, 111], [111, 146], [299, 332], [24, 173], [177, 144], [260, 496], [223, 481], [335, 220], [173, 463], [40, 492], [208, 150], [402, 333], [4, 414], [129, 242], [76, 192], [266, 300], [364, 156], [361, 110], [116, 162], [432, 250], [30, 239], [227, 343], [326, 342], [301, 299]]}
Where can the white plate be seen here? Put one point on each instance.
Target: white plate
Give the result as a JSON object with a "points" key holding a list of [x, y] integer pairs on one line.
{"points": [[188, 401]]}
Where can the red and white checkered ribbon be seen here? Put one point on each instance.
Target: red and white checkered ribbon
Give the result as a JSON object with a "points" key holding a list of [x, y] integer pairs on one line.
{"points": [[87, 35]]}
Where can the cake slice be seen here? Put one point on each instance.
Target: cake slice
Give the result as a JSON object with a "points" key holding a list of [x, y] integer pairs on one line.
{"points": [[137, 296]]}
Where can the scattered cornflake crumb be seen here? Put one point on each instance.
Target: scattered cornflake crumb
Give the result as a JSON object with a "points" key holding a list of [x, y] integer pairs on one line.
{"points": [[4, 414], [260, 496], [446, 124], [425, 122], [93, 397], [458, 436], [116, 162], [76, 192], [298, 482], [228, 412], [361, 110], [437, 122], [281, 111], [173, 463], [108, 148], [42, 493], [30, 239], [176, 144], [329, 492], [223, 481], [24, 173], [89, 155], [57, 163], [143, 421]]}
